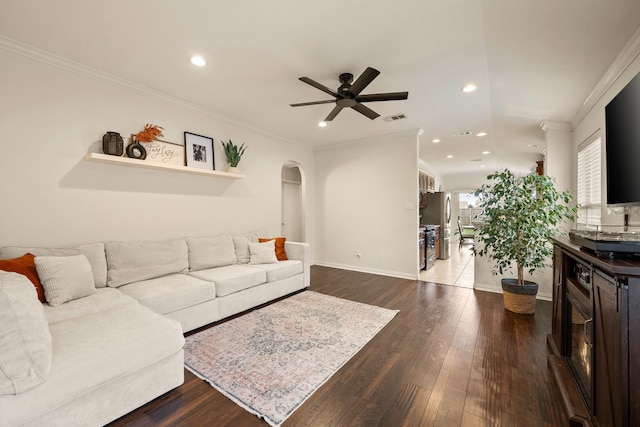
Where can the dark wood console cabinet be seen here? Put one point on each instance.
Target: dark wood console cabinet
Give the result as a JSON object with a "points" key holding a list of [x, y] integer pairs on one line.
{"points": [[595, 336]]}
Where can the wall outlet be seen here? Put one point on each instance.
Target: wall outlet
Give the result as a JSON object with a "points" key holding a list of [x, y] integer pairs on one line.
{"points": [[358, 253]]}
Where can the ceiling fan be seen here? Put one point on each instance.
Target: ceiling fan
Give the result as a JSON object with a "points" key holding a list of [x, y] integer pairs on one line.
{"points": [[348, 95]]}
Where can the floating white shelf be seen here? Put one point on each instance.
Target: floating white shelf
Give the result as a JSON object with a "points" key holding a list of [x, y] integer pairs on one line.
{"points": [[126, 161]]}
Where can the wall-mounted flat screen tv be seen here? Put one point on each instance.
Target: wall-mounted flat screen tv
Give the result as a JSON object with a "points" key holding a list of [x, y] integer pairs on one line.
{"points": [[622, 121]]}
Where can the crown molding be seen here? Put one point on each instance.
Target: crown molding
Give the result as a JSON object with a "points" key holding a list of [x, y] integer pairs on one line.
{"points": [[555, 125], [628, 54], [57, 61]]}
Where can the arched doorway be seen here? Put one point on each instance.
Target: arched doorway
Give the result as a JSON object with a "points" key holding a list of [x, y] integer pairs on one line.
{"points": [[292, 213]]}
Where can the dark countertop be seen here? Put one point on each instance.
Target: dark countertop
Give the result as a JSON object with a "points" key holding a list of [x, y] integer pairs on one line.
{"points": [[625, 265]]}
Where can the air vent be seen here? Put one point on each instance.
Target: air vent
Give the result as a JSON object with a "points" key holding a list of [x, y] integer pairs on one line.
{"points": [[463, 133], [394, 118], [475, 160]]}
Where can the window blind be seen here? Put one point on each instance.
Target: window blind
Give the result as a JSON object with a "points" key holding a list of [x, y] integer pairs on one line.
{"points": [[589, 182]]}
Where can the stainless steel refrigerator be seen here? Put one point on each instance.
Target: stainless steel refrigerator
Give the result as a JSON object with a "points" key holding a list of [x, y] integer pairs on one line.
{"points": [[438, 212]]}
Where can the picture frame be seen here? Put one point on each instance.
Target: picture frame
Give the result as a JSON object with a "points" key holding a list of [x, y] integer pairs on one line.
{"points": [[198, 150], [168, 153]]}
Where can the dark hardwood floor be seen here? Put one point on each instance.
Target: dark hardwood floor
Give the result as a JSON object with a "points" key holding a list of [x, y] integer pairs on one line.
{"points": [[451, 357]]}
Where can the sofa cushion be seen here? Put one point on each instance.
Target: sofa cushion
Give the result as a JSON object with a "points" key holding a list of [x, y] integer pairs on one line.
{"points": [[65, 278], [130, 262], [102, 300], [93, 251], [281, 270], [279, 241], [263, 253], [208, 252], [170, 293], [232, 278], [26, 266], [96, 350], [25, 340], [241, 244]]}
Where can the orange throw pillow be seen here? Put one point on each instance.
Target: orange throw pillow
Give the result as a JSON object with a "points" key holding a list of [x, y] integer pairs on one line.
{"points": [[280, 253], [27, 267]]}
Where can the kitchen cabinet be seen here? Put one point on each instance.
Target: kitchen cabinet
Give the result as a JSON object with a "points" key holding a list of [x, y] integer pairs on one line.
{"points": [[422, 248], [426, 184]]}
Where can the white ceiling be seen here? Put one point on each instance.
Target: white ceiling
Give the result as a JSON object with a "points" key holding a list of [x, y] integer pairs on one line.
{"points": [[532, 60]]}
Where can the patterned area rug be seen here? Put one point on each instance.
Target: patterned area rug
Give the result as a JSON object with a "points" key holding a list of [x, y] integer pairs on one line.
{"points": [[271, 360]]}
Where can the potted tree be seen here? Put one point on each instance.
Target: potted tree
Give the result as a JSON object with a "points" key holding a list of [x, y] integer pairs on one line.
{"points": [[234, 154], [522, 213]]}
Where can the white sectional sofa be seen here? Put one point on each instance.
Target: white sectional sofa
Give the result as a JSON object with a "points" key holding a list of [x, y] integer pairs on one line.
{"points": [[116, 313]]}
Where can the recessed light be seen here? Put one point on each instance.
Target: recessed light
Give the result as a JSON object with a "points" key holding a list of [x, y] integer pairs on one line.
{"points": [[481, 134], [533, 146], [469, 88], [481, 166], [322, 124], [198, 61], [486, 152], [450, 156], [463, 133], [435, 141]]}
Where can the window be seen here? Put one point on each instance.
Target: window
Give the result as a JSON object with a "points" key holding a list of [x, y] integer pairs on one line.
{"points": [[589, 181]]}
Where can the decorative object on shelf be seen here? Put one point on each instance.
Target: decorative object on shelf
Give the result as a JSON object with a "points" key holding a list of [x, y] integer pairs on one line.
{"points": [[149, 133], [198, 151], [234, 154], [112, 144], [135, 150], [164, 152], [522, 214]]}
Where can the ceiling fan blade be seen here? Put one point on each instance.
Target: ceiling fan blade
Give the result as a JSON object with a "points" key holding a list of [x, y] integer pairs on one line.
{"points": [[333, 113], [312, 103], [317, 85], [363, 81], [365, 111], [391, 96]]}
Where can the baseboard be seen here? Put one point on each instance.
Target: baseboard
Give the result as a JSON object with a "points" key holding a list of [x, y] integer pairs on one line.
{"points": [[367, 270]]}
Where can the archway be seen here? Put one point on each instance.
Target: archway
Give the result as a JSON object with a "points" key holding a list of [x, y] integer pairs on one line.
{"points": [[293, 195]]}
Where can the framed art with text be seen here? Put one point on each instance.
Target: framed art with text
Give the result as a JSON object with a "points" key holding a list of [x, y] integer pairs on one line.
{"points": [[198, 151], [164, 152]]}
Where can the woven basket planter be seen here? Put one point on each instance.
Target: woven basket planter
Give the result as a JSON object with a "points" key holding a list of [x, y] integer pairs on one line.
{"points": [[519, 299]]}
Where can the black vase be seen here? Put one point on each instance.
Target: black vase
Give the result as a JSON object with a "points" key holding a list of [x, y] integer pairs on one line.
{"points": [[112, 144], [135, 150]]}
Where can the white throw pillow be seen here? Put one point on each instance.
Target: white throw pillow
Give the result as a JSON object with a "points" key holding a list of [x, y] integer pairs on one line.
{"points": [[263, 253], [65, 278], [25, 340]]}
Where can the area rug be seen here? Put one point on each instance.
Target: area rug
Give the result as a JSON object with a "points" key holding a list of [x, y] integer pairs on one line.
{"points": [[269, 361]]}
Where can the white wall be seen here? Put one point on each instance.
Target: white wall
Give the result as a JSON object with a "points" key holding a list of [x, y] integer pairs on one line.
{"points": [[594, 121], [51, 116], [367, 199]]}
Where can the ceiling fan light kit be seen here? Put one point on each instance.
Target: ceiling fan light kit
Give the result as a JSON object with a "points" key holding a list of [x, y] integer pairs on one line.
{"points": [[348, 94]]}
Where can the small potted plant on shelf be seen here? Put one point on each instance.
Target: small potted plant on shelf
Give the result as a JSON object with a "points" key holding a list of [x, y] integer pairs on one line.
{"points": [[522, 213], [234, 154]]}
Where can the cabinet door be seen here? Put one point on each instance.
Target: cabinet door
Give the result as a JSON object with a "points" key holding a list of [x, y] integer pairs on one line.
{"points": [[609, 336], [558, 299]]}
